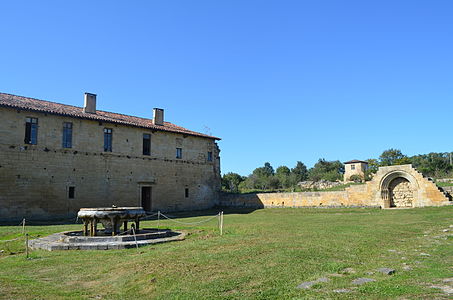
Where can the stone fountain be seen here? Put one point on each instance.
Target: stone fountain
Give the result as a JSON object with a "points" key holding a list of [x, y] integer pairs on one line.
{"points": [[112, 237], [111, 218]]}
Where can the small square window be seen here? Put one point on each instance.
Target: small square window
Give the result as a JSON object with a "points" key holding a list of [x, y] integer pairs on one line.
{"points": [[352, 167], [71, 192], [209, 156], [178, 152]]}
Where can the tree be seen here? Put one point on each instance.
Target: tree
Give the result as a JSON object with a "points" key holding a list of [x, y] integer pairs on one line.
{"points": [[231, 181], [282, 171], [392, 157], [433, 164], [265, 171], [372, 167], [326, 170], [300, 171], [283, 175], [261, 178]]}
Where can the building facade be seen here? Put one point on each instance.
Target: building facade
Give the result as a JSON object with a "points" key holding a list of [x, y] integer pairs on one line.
{"points": [[354, 167], [55, 159]]}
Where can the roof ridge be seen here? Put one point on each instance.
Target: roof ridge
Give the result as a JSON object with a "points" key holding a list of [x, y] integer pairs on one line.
{"points": [[77, 112]]}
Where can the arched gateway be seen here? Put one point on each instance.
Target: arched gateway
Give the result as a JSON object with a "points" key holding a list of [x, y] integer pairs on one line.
{"points": [[402, 187], [398, 189]]}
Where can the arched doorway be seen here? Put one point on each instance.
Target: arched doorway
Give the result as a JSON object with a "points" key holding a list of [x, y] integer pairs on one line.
{"points": [[398, 189], [400, 193]]}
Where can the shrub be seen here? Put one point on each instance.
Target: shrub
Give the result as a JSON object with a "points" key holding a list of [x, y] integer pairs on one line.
{"points": [[356, 178]]}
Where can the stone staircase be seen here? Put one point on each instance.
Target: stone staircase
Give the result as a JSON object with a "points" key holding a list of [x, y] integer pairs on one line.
{"points": [[440, 189]]}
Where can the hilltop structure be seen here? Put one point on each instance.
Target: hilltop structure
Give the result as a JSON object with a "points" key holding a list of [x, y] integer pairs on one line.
{"points": [[56, 158], [354, 167]]}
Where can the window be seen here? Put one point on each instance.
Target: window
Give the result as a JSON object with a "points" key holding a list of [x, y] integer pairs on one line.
{"points": [[71, 192], [352, 167], [209, 156], [178, 152], [31, 131], [67, 135], [186, 193], [146, 144], [107, 139]]}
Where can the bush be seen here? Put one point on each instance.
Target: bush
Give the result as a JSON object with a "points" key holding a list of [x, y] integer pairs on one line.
{"points": [[356, 178]]}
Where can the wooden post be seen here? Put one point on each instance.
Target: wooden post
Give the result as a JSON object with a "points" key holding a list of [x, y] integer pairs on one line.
{"points": [[158, 219], [221, 223], [26, 244], [125, 226], [23, 226], [135, 237]]}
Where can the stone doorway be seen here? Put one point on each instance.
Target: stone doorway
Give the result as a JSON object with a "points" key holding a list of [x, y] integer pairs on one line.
{"points": [[401, 194], [146, 198]]}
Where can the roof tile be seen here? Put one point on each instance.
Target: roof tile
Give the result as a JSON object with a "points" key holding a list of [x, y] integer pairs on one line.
{"points": [[26, 103]]}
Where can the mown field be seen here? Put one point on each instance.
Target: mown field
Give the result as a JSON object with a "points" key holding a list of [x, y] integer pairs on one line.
{"points": [[263, 254]]}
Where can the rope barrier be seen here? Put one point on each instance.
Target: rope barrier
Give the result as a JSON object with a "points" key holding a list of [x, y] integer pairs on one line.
{"points": [[192, 223], [4, 241], [149, 217]]}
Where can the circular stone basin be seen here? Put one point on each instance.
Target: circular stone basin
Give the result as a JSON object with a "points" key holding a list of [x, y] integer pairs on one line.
{"points": [[75, 240], [111, 217]]}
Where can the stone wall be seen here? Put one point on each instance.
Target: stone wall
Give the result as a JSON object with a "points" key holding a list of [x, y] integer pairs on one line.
{"points": [[318, 185], [34, 179], [393, 186], [401, 193]]}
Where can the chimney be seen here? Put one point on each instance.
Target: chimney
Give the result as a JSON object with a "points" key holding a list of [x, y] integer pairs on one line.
{"points": [[158, 116], [90, 103]]}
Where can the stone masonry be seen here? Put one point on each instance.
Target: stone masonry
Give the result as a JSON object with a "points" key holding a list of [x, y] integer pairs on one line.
{"points": [[46, 180], [401, 193], [392, 186]]}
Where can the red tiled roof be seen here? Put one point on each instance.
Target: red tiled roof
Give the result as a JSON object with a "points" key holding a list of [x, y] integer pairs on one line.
{"points": [[355, 161], [25, 103]]}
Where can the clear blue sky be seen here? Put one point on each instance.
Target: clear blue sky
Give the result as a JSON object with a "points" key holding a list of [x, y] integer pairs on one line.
{"points": [[278, 81]]}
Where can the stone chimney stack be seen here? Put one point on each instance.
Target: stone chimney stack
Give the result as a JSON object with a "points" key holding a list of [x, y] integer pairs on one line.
{"points": [[158, 116], [90, 103]]}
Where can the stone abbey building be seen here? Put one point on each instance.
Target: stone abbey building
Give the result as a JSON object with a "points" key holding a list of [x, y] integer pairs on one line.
{"points": [[56, 158]]}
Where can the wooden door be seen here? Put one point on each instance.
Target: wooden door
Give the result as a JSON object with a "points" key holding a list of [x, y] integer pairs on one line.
{"points": [[146, 198]]}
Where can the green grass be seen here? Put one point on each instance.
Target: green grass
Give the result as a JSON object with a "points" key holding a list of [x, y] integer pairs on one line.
{"points": [[264, 254], [441, 184]]}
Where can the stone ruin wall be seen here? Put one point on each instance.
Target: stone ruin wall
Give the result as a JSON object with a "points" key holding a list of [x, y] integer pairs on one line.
{"points": [[402, 193], [418, 193]]}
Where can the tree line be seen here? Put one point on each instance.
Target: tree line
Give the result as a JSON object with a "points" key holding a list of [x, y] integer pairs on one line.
{"points": [[265, 178]]}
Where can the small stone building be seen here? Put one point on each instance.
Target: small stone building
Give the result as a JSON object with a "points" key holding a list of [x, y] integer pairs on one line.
{"points": [[354, 167], [56, 158]]}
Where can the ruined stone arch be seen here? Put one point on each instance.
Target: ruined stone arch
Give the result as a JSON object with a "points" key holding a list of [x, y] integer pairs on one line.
{"points": [[398, 189]]}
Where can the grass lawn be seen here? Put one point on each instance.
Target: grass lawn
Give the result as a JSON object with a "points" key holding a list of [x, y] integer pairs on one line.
{"points": [[264, 254], [441, 184]]}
